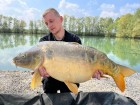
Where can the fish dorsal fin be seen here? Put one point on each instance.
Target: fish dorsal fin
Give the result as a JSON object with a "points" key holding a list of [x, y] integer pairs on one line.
{"points": [[74, 43], [36, 80], [73, 87]]}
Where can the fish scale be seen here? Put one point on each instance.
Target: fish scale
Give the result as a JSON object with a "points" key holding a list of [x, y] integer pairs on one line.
{"points": [[70, 63]]}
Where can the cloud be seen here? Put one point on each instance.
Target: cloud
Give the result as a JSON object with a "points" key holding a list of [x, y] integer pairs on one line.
{"points": [[71, 9], [29, 14], [22, 2], [92, 2], [129, 8], [107, 7], [4, 4], [18, 9], [107, 10], [111, 14], [67, 5]]}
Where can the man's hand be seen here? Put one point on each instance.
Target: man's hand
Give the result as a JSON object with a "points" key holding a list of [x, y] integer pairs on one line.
{"points": [[98, 74], [43, 72]]}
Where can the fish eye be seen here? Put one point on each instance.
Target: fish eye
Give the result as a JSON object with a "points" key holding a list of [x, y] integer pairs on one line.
{"points": [[22, 55]]}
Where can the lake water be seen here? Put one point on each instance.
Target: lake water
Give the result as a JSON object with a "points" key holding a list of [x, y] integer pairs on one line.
{"points": [[122, 51]]}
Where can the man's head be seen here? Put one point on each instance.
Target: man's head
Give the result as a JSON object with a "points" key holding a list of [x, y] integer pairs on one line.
{"points": [[53, 20]]}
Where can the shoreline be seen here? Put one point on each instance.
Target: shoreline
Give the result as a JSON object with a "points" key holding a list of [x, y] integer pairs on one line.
{"points": [[18, 82]]}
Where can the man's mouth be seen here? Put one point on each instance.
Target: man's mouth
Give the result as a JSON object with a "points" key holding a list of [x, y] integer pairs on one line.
{"points": [[52, 29]]}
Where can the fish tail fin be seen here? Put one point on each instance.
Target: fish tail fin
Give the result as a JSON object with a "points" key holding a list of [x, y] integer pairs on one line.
{"points": [[126, 71], [36, 80], [119, 78]]}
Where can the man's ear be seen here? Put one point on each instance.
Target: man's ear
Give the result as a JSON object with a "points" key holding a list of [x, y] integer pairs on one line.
{"points": [[61, 18]]}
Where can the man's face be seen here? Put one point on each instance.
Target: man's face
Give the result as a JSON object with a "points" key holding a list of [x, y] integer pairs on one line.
{"points": [[53, 22]]}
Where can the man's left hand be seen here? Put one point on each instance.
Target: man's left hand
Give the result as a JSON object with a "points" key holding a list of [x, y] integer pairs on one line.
{"points": [[98, 74]]}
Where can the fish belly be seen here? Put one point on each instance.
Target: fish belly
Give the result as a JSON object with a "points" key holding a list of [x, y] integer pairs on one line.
{"points": [[66, 69]]}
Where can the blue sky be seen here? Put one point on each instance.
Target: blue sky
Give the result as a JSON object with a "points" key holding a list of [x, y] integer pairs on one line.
{"points": [[33, 9]]}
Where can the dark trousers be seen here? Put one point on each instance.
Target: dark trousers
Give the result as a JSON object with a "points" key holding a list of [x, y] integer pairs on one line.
{"points": [[51, 85]]}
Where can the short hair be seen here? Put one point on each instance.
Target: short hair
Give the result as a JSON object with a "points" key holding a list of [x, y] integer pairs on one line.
{"points": [[51, 10]]}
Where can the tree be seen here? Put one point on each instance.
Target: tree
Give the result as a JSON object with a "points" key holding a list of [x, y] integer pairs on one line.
{"points": [[22, 26], [1, 23], [35, 27], [100, 26], [136, 22], [109, 27], [9, 22], [72, 24], [65, 21], [44, 28], [79, 26], [124, 26], [31, 27], [16, 26]]}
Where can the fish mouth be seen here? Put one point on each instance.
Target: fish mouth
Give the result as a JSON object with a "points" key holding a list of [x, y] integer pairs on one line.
{"points": [[14, 62]]}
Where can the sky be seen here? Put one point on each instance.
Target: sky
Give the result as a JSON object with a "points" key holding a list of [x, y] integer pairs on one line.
{"points": [[33, 9]]}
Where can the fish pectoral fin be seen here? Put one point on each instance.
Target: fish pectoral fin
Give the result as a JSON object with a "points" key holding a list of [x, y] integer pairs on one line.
{"points": [[119, 80], [36, 80], [73, 87]]}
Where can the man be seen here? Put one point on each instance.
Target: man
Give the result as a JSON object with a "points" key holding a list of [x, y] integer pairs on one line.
{"points": [[53, 21]]}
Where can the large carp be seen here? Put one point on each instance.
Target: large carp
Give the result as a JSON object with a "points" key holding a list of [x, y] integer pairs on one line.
{"points": [[71, 63]]}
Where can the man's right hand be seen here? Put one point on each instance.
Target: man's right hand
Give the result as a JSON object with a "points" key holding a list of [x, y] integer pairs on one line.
{"points": [[98, 74], [43, 72]]}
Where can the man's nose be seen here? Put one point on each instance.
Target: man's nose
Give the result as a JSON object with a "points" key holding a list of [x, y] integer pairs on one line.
{"points": [[49, 26]]}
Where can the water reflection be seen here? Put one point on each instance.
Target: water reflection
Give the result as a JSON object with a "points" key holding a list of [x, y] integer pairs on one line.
{"points": [[14, 40], [122, 51]]}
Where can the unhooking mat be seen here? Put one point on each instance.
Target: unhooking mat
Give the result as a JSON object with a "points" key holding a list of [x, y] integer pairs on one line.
{"points": [[82, 98]]}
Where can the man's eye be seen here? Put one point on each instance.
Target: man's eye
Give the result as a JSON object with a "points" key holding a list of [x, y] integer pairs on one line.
{"points": [[51, 21]]}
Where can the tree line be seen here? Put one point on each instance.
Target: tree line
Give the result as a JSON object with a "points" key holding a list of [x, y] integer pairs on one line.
{"points": [[127, 25]]}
